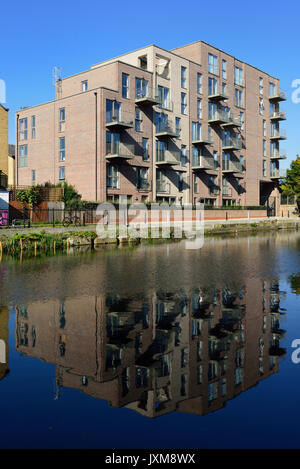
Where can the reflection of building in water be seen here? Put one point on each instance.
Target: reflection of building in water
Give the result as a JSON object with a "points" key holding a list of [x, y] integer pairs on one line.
{"points": [[188, 352], [3, 342]]}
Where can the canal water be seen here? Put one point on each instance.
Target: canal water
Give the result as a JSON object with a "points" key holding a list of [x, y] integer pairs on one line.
{"points": [[153, 347]]}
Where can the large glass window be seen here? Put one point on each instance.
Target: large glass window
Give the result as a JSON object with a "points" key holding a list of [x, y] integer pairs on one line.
{"points": [[112, 177], [113, 110], [141, 88], [62, 149], [196, 131], [62, 120], [125, 85], [23, 134], [199, 108], [183, 77], [164, 97], [199, 83], [238, 76], [183, 103], [213, 64], [23, 156], [62, 173], [138, 120], [145, 145], [33, 122], [112, 143], [212, 86], [224, 69]]}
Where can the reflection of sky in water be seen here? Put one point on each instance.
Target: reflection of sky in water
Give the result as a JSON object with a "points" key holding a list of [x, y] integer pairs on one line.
{"points": [[107, 341]]}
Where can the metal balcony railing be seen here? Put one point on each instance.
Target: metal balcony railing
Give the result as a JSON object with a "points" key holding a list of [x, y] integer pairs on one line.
{"points": [[217, 95], [232, 144], [232, 167], [278, 155], [278, 134], [119, 119], [278, 115], [278, 96], [202, 139], [168, 157], [147, 96], [165, 129], [219, 117], [275, 174], [119, 150], [233, 121], [203, 162]]}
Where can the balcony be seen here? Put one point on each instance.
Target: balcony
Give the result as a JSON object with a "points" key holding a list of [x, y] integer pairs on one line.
{"points": [[118, 120], [163, 187], [232, 144], [233, 121], [219, 117], [278, 96], [203, 162], [167, 158], [227, 192], [202, 140], [119, 150], [214, 190], [146, 97], [278, 155], [165, 130], [275, 174], [278, 135], [278, 116], [232, 167], [218, 95], [143, 185]]}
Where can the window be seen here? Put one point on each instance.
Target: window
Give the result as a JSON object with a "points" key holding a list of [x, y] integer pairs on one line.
{"points": [[212, 86], [261, 106], [224, 69], [212, 391], [264, 128], [261, 85], [238, 95], [273, 149], [138, 120], [224, 89], [178, 126], [164, 97], [62, 120], [271, 89], [145, 145], [264, 169], [216, 160], [199, 108], [23, 129], [183, 155], [212, 111], [23, 156], [183, 103], [113, 110], [242, 119], [112, 143], [125, 85], [33, 179], [238, 76], [195, 183], [196, 131], [62, 173], [199, 374], [62, 153], [143, 62], [199, 83], [84, 85], [141, 88], [112, 177], [33, 133], [180, 182], [213, 64], [183, 77], [142, 178]]}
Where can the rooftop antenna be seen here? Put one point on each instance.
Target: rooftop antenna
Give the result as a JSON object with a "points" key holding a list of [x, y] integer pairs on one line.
{"points": [[56, 80]]}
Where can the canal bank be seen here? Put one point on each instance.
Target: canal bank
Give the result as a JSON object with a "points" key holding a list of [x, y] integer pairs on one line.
{"points": [[49, 240]]}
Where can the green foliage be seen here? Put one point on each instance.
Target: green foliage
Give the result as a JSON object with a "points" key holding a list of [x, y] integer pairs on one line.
{"points": [[291, 185], [31, 196], [72, 199]]}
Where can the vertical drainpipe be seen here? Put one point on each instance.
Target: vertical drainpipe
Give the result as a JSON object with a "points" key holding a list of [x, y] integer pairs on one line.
{"points": [[17, 153], [96, 147]]}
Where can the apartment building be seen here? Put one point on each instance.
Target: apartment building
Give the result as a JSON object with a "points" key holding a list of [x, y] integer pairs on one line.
{"points": [[187, 125], [3, 145]]}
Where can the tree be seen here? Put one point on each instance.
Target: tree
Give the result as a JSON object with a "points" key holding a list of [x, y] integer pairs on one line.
{"points": [[31, 196], [71, 197], [291, 184]]}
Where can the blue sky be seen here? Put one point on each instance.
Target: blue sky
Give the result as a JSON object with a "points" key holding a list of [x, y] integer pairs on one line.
{"points": [[74, 35]]}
